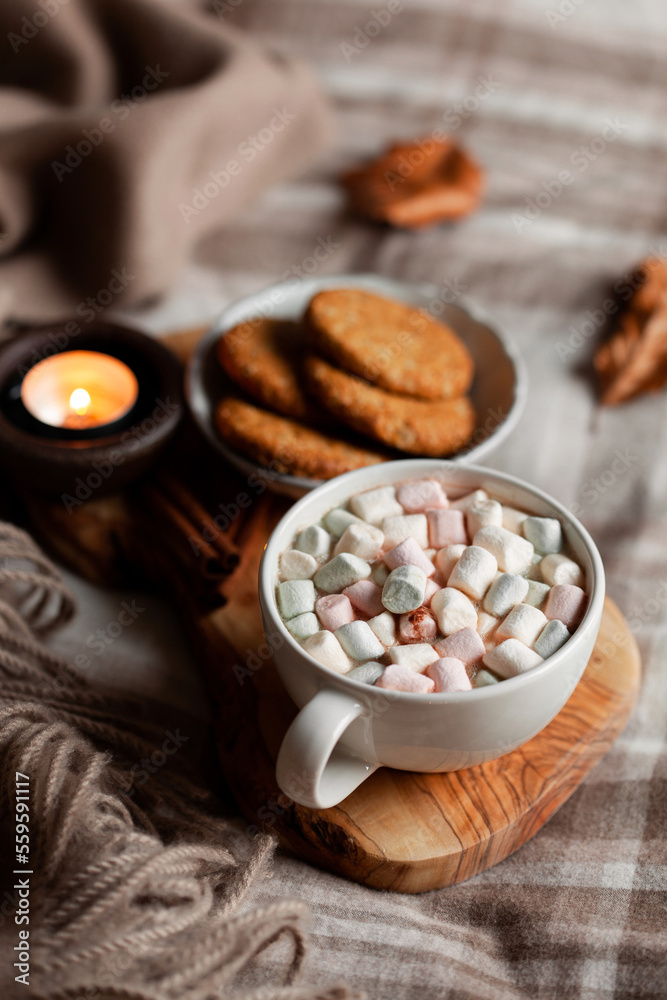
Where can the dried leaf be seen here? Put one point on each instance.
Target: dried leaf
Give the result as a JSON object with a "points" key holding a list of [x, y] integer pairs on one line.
{"points": [[416, 184], [633, 360]]}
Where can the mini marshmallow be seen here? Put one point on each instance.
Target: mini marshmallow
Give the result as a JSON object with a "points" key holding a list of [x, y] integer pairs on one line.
{"points": [[338, 519], [326, 649], [447, 558], [399, 678], [295, 565], [466, 645], [506, 590], [446, 527], [334, 610], [432, 588], [363, 540], [475, 570], [513, 553], [486, 625], [484, 678], [359, 641], [534, 572], [367, 673], [374, 505], [416, 657], [431, 554], [513, 519], [315, 541], [409, 553], [398, 529], [417, 626], [482, 513], [524, 622], [379, 572], [449, 674], [557, 568], [453, 610], [544, 533], [537, 593], [418, 494], [404, 590], [295, 597], [340, 572], [303, 625], [511, 658], [384, 627], [366, 597], [551, 638], [566, 603], [463, 503]]}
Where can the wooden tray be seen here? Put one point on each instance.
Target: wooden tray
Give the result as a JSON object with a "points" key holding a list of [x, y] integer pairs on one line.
{"points": [[399, 830]]}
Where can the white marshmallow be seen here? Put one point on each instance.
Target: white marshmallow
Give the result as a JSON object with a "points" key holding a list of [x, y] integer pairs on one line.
{"points": [[340, 572], [295, 597], [511, 658], [397, 529], [326, 649], [367, 673], [537, 593], [463, 503], [486, 625], [359, 641], [544, 533], [506, 590], [485, 678], [294, 565], [534, 572], [475, 570], [513, 519], [384, 627], [513, 553], [556, 568], [481, 513], [551, 638], [303, 625], [404, 589], [524, 622], [453, 610], [447, 558], [361, 540], [374, 505], [416, 657], [379, 572], [338, 519], [315, 541]]}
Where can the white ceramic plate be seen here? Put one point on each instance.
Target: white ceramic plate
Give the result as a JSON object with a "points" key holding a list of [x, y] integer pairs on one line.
{"points": [[498, 391]]}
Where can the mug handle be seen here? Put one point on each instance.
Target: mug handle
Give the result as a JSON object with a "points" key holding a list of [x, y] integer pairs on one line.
{"points": [[311, 768]]}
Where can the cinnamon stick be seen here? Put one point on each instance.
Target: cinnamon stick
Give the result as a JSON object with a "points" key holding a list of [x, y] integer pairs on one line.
{"points": [[185, 536], [195, 512]]}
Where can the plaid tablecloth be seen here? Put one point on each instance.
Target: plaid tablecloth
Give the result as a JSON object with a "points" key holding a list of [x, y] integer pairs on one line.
{"points": [[564, 102]]}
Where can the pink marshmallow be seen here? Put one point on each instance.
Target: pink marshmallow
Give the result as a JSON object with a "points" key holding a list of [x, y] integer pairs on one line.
{"points": [[417, 626], [431, 588], [449, 674], [333, 611], [415, 496], [409, 553], [446, 527], [465, 645], [566, 603], [366, 597], [397, 678]]}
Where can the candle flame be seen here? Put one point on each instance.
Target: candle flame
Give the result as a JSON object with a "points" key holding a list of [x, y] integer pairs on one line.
{"points": [[79, 401]]}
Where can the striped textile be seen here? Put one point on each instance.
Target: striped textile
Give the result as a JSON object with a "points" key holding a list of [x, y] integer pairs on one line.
{"points": [[580, 913]]}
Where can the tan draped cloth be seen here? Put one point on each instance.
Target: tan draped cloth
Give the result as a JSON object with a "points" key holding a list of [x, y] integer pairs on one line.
{"points": [[130, 129]]}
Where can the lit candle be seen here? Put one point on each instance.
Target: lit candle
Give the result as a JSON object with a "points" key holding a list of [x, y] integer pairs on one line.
{"points": [[79, 390]]}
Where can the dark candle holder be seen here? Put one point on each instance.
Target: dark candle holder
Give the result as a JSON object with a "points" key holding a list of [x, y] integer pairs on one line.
{"points": [[73, 461]]}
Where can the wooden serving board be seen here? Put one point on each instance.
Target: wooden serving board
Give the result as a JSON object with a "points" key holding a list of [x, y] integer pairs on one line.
{"points": [[399, 830]]}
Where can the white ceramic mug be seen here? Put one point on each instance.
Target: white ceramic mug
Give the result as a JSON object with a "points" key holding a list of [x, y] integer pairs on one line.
{"points": [[346, 730]]}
